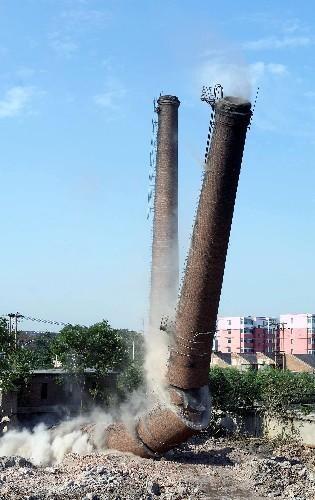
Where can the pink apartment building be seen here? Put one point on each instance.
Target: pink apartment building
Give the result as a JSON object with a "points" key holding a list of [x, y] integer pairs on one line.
{"points": [[297, 333], [247, 334]]}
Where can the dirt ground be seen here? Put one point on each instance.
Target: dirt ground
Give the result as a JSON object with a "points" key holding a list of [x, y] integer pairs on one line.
{"points": [[204, 468]]}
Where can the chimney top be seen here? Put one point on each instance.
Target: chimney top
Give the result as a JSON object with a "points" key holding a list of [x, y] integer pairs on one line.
{"points": [[234, 105], [168, 99]]}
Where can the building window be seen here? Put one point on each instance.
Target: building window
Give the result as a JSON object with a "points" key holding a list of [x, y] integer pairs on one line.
{"points": [[309, 320], [242, 330], [228, 349], [248, 330], [229, 332], [229, 322], [44, 391], [229, 341]]}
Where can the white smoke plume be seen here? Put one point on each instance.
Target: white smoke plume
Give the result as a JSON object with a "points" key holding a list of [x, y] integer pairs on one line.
{"points": [[156, 366], [163, 298], [85, 433], [44, 446], [158, 338], [47, 446], [225, 63], [235, 78]]}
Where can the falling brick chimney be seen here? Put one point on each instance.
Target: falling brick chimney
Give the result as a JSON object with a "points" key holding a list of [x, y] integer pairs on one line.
{"points": [[164, 270], [200, 295], [166, 426]]}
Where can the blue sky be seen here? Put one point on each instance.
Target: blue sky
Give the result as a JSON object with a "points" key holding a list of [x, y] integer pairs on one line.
{"points": [[77, 80]]}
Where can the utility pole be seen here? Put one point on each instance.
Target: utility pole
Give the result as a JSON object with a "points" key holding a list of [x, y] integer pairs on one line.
{"points": [[283, 351], [279, 329], [16, 316], [282, 329], [10, 315]]}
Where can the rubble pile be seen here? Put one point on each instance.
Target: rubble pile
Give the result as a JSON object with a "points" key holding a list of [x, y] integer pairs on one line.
{"points": [[203, 468], [281, 477]]}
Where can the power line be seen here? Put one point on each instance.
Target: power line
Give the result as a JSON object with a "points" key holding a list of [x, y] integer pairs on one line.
{"points": [[47, 321], [18, 315]]}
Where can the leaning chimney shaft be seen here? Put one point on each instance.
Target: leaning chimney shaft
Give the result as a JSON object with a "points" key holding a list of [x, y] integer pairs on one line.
{"points": [[200, 294]]}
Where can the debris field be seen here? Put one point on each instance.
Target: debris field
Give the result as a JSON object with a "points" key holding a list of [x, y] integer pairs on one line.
{"points": [[203, 468]]}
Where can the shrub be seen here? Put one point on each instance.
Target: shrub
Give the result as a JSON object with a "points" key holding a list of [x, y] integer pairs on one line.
{"points": [[273, 391]]}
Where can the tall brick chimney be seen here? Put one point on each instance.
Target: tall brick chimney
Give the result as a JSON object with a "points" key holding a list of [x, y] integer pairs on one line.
{"points": [[167, 425], [164, 270], [200, 295]]}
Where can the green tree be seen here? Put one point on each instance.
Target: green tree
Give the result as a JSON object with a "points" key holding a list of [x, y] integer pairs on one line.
{"points": [[281, 390], [41, 351], [98, 346], [275, 392], [130, 379], [135, 345], [15, 362], [233, 390]]}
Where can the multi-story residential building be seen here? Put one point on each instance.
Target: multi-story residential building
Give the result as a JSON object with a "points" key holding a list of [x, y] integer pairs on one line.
{"points": [[297, 333], [247, 334]]}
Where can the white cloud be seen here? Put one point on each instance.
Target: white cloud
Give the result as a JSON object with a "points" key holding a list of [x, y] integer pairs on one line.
{"points": [[3, 51], [277, 69], [279, 24], [79, 18], [273, 42], [110, 98], [259, 70], [310, 94], [25, 72], [15, 101], [292, 25], [62, 45], [237, 78]]}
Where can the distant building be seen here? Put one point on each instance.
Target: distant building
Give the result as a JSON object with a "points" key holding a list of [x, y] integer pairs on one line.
{"points": [[247, 334], [51, 395], [294, 362], [242, 361], [300, 362], [297, 333]]}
